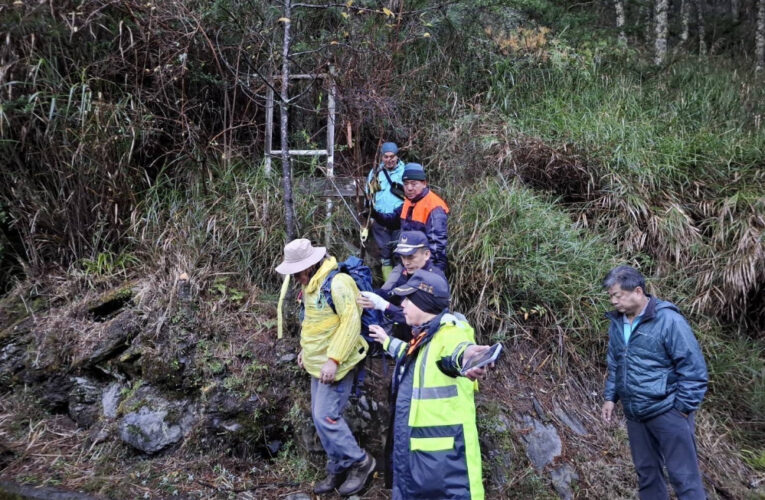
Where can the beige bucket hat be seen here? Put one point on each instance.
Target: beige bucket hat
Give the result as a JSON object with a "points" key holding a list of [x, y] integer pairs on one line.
{"points": [[299, 255]]}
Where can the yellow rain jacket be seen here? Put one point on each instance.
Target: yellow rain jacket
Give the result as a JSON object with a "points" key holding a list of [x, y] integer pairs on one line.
{"points": [[325, 334]]}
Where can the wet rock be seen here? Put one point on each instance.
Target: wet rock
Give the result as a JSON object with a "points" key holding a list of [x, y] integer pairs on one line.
{"points": [[154, 422], [6, 454], [110, 304], [84, 402], [13, 491], [308, 437], [499, 463], [298, 496], [288, 358], [542, 442], [55, 393], [570, 421], [274, 446], [562, 477], [224, 410], [110, 399], [13, 359], [118, 334], [538, 408], [148, 431], [364, 403]]}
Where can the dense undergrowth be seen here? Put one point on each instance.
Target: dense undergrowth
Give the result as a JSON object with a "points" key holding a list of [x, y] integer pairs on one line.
{"points": [[132, 147]]}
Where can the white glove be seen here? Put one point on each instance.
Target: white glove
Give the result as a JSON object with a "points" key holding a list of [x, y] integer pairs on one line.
{"points": [[379, 303]]}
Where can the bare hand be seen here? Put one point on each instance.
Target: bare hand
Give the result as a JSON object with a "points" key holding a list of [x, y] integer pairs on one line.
{"points": [[300, 359], [328, 372], [606, 411], [471, 352], [377, 333]]}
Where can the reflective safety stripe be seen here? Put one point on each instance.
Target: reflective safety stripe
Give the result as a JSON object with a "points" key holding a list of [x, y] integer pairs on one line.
{"points": [[431, 444], [447, 391]]}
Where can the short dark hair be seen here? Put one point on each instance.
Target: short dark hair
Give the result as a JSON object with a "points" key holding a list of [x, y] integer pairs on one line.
{"points": [[627, 277]]}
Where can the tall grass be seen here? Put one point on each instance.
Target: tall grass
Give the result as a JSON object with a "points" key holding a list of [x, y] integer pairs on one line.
{"points": [[521, 266], [675, 159], [231, 222]]}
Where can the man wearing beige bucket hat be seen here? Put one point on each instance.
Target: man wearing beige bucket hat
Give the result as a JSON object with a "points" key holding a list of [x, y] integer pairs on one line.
{"points": [[331, 348]]}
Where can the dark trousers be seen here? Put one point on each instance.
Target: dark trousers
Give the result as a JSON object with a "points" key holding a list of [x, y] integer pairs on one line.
{"points": [[666, 440], [386, 240]]}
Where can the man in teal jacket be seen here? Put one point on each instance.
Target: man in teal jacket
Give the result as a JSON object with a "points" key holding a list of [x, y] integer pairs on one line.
{"points": [[385, 186], [656, 369], [436, 454]]}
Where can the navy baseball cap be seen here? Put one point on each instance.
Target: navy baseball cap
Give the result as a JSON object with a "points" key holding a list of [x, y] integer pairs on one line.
{"points": [[410, 241], [427, 282]]}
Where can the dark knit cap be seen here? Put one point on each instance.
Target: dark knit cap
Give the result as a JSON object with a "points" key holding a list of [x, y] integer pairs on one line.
{"points": [[413, 172]]}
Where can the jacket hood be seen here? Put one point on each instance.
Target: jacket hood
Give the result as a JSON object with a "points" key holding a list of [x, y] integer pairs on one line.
{"points": [[329, 264]]}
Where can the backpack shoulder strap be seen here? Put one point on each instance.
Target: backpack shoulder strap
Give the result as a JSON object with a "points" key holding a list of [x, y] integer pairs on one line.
{"points": [[326, 289]]}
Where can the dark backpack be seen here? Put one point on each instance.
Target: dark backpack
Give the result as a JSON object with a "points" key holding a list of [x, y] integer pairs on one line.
{"points": [[362, 275]]}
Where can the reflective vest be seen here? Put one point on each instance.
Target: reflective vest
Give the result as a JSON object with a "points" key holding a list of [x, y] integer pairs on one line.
{"points": [[436, 454]]}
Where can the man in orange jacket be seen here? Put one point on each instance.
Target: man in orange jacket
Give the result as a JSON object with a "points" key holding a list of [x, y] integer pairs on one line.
{"points": [[423, 210]]}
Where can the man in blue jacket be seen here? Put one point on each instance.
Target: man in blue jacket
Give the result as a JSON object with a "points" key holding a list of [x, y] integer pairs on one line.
{"points": [[386, 187], [657, 370]]}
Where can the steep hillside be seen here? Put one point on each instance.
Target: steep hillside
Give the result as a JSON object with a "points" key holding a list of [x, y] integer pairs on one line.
{"points": [[139, 228]]}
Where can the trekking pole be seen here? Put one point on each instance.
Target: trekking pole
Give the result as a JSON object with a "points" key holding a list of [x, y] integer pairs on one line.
{"points": [[280, 308], [369, 195]]}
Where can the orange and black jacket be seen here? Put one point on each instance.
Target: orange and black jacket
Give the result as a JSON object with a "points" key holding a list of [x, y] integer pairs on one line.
{"points": [[427, 213]]}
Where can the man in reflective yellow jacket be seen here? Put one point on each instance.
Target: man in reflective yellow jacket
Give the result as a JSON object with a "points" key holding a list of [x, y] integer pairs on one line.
{"points": [[331, 347], [436, 454]]}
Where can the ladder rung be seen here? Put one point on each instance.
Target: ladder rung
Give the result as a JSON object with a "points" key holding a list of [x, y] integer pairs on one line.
{"points": [[304, 152]]}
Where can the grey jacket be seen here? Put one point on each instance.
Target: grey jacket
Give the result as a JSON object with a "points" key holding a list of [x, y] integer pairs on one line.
{"points": [[660, 368]]}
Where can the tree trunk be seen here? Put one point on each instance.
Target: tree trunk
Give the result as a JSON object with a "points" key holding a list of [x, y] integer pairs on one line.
{"points": [[760, 36], [646, 10], [619, 6], [735, 10], [660, 42], [685, 19], [699, 4], [289, 206]]}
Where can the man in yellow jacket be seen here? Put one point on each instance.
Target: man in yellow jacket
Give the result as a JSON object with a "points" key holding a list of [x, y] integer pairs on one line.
{"points": [[331, 347], [435, 452]]}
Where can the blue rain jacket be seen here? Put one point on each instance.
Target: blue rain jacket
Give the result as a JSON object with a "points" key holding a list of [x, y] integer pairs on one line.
{"points": [[661, 366], [384, 201]]}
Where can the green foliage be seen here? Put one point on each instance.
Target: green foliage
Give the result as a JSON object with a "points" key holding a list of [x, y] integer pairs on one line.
{"points": [[755, 458], [108, 264], [517, 258], [230, 223], [672, 162], [737, 378]]}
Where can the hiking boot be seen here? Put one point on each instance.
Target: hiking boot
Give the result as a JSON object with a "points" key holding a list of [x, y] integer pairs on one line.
{"points": [[358, 475], [329, 483]]}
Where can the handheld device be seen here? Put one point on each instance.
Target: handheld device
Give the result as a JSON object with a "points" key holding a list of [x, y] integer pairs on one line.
{"points": [[488, 357]]}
